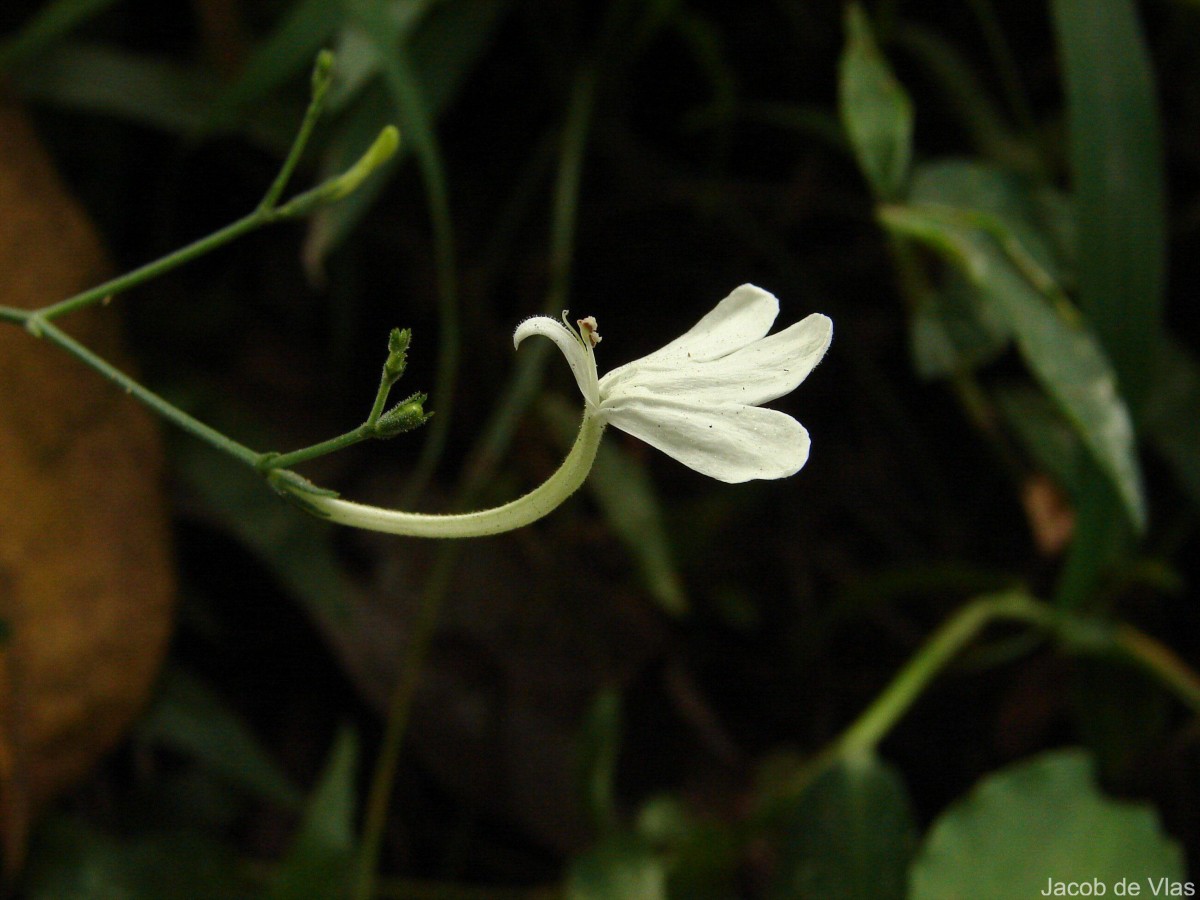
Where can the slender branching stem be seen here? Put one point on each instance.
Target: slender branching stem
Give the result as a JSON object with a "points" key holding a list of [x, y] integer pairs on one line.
{"points": [[50, 332], [1078, 634], [304, 454], [520, 512], [152, 270], [946, 643]]}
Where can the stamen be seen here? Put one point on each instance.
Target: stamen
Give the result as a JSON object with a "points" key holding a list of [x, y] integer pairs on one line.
{"points": [[587, 328]]}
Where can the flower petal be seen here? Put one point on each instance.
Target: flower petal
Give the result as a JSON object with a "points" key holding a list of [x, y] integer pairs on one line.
{"points": [[757, 373], [740, 319], [732, 442], [582, 363]]}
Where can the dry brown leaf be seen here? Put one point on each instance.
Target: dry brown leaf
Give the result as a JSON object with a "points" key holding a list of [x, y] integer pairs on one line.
{"points": [[85, 576]]}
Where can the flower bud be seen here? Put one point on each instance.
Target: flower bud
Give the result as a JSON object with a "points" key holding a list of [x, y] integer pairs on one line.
{"points": [[398, 342], [404, 416]]}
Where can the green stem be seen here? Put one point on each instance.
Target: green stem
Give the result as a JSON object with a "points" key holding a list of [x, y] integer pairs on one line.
{"points": [[380, 399], [881, 716], [266, 214], [383, 779], [520, 512], [564, 482], [304, 454], [50, 332], [418, 127], [386, 382], [151, 270], [321, 79], [38, 326], [262, 216], [1078, 634], [520, 391], [563, 224], [865, 733], [1161, 662]]}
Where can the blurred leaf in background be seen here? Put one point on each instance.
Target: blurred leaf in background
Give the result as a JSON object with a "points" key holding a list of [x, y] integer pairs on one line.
{"points": [[1037, 821], [321, 859], [876, 111], [74, 859], [850, 835]]}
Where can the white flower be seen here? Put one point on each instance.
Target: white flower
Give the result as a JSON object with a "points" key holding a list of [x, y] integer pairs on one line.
{"points": [[698, 398]]}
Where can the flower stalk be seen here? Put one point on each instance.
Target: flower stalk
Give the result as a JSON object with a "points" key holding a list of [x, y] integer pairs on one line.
{"points": [[565, 481]]}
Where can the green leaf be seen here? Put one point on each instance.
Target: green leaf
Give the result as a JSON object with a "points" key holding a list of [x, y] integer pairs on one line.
{"points": [[1041, 819], [190, 718], [850, 835], [954, 329], [105, 80], [958, 77], [1060, 352], [625, 493], [1032, 221], [1121, 714], [1117, 180], [319, 864], [353, 134], [286, 54], [72, 859], [439, 53], [52, 22], [1046, 435], [622, 867], [1171, 416], [875, 110], [1103, 538], [599, 746], [704, 854]]}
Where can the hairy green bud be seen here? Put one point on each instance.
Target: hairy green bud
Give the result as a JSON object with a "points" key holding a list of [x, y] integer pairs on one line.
{"points": [[398, 342], [404, 416]]}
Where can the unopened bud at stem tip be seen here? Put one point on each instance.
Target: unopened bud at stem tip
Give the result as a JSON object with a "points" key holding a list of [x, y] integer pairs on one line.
{"points": [[322, 72], [398, 342], [383, 148]]}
